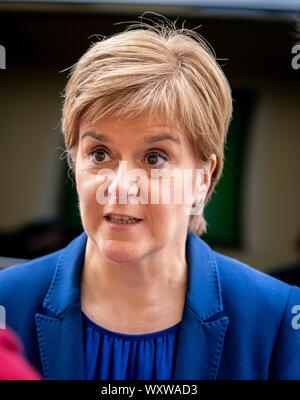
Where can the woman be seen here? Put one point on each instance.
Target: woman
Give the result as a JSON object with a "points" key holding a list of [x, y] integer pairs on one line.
{"points": [[138, 295]]}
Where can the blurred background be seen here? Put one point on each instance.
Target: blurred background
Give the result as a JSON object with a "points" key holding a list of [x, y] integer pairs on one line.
{"points": [[254, 213]]}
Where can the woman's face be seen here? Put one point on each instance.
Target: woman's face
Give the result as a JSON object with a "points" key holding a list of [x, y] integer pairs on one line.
{"points": [[132, 163]]}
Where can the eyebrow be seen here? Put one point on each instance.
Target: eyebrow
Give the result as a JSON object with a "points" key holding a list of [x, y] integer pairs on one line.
{"points": [[147, 139]]}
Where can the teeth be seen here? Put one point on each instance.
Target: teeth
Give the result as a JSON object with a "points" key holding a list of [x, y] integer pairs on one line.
{"points": [[116, 216], [121, 219]]}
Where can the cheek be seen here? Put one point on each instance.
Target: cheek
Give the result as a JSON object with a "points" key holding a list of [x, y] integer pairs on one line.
{"points": [[165, 217], [87, 187], [167, 199]]}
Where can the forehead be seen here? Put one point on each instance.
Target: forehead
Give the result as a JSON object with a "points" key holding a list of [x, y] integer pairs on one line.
{"points": [[142, 128]]}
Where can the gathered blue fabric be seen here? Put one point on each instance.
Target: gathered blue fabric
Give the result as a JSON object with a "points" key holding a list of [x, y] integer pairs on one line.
{"points": [[112, 355]]}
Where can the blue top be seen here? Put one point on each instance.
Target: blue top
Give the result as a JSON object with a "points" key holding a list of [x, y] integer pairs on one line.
{"points": [[114, 355]]}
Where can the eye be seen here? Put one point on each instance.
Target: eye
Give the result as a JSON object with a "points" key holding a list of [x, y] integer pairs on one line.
{"points": [[98, 155], [156, 159]]}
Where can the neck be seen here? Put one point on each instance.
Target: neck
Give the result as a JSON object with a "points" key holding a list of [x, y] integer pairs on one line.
{"points": [[152, 288]]}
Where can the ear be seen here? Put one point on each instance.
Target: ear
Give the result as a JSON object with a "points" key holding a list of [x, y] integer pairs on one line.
{"points": [[209, 167]]}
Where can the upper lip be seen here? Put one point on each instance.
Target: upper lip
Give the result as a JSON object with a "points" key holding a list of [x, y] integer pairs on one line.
{"points": [[121, 215]]}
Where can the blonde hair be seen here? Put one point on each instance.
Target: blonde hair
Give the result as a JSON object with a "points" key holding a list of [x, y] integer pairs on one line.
{"points": [[148, 69]]}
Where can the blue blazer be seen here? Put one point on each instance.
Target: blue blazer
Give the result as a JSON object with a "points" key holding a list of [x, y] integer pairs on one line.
{"points": [[237, 323]]}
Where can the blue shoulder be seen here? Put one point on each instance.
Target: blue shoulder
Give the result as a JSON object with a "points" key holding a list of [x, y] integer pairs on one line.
{"points": [[29, 280], [243, 285], [264, 320]]}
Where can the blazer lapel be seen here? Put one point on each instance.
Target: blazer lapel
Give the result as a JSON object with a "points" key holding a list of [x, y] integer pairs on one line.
{"points": [[61, 345], [59, 329], [203, 329]]}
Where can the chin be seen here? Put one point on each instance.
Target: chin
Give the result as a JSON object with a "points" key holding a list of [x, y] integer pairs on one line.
{"points": [[121, 252]]}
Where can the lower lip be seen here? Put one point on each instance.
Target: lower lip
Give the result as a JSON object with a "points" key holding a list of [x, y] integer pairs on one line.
{"points": [[121, 227]]}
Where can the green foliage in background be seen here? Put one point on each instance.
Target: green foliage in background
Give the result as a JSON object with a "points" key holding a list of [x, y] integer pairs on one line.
{"points": [[223, 213]]}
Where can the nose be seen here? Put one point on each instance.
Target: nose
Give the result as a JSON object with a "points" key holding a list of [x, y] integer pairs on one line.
{"points": [[122, 185]]}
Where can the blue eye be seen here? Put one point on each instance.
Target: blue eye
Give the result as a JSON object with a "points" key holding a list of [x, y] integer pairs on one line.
{"points": [[156, 159], [98, 155]]}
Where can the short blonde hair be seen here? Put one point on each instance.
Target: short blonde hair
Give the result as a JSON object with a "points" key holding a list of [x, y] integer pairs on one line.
{"points": [[153, 68]]}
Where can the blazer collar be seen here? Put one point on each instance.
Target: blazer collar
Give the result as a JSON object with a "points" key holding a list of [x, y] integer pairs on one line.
{"points": [[202, 333], [204, 292], [65, 286]]}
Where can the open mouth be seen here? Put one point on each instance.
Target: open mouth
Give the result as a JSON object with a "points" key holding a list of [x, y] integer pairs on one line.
{"points": [[122, 219]]}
